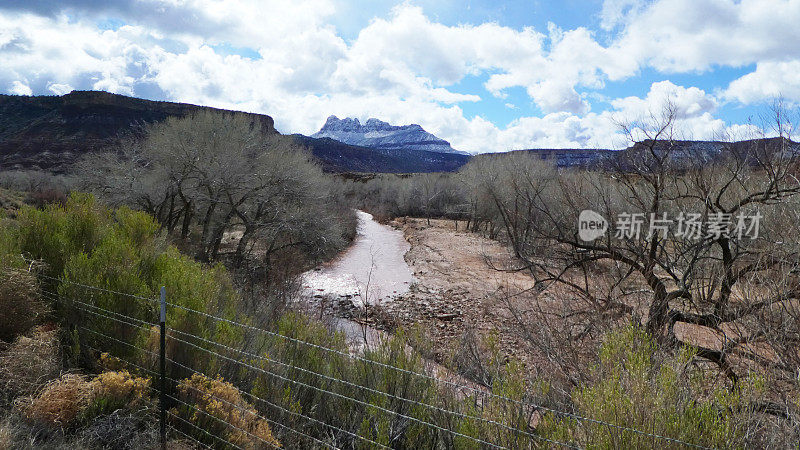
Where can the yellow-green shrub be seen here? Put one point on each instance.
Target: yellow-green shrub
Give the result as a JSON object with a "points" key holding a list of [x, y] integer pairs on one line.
{"points": [[634, 388], [223, 401], [115, 390], [67, 400]]}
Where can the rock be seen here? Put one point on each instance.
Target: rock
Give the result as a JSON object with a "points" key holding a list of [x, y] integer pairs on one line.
{"points": [[378, 134], [448, 316]]}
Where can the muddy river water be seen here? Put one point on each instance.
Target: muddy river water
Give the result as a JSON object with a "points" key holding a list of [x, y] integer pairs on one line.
{"points": [[372, 269]]}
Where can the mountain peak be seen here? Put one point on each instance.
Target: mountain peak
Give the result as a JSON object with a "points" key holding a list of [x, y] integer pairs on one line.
{"points": [[377, 134], [346, 124]]}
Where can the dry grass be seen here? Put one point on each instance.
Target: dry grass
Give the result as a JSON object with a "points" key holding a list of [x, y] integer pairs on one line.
{"points": [[29, 363], [59, 403], [181, 444], [20, 303], [6, 435]]}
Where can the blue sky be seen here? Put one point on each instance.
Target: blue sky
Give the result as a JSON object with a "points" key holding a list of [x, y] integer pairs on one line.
{"points": [[487, 76]]}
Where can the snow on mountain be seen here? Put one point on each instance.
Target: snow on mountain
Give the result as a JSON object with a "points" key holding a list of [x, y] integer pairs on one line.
{"points": [[381, 135]]}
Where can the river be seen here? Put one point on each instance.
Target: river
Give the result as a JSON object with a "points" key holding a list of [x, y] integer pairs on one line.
{"points": [[372, 270]]}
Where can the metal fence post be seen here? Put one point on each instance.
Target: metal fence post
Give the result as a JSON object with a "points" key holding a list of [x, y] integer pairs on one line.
{"points": [[163, 368]]}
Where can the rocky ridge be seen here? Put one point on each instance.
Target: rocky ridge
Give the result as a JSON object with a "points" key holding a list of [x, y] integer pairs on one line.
{"points": [[378, 134]]}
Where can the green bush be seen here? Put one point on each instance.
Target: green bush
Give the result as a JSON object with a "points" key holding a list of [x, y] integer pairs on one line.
{"points": [[633, 387], [122, 251], [377, 417], [55, 233], [119, 250]]}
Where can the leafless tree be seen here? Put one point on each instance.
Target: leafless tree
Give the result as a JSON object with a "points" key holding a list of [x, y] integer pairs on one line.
{"points": [[214, 173], [730, 295]]}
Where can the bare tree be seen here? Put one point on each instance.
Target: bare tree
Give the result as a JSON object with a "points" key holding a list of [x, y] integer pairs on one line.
{"points": [[739, 289], [220, 172]]}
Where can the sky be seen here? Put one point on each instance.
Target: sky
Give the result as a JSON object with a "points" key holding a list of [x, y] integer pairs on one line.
{"points": [[485, 75]]}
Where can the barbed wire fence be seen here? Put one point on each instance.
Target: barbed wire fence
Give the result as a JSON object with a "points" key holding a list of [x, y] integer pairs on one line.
{"points": [[180, 418]]}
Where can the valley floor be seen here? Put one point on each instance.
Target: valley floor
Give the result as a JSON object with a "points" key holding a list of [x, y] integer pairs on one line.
{"points": [[458, 289]]}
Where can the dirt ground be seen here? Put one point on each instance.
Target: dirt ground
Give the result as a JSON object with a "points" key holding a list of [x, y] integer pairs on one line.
{"points": [[456, 288]]}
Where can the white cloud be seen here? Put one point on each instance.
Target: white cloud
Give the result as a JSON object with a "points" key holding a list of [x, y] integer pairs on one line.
{"points": [[19, 88], [769, 80], [692, 35], [403, 68], [575, 60], [615, 12], [690, 102], [407, 54], [694, 110], [59, 88]]}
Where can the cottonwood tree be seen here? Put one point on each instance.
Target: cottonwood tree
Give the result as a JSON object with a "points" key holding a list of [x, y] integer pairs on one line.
{"points": [[733, 297], [214, 173]]}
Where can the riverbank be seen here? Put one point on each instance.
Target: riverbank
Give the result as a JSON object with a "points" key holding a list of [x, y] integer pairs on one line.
{"points": [[433, 281], [459, 294]]}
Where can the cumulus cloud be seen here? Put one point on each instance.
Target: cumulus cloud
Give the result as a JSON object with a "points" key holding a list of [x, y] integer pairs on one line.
{"points": [[695, 35], [404, 67], [20, 88], [770, 79], [689, 102], [615, 12], [693, 109], [59, 88]]}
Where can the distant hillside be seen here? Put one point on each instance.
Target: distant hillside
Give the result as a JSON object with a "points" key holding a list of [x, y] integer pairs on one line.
{"points": [[380, 135], [572, 157], [51, 132], [582, 158], [337, 156], [684, 153]]}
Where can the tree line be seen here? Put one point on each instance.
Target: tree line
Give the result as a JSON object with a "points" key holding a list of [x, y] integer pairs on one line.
{"points": [[729, 294], [216, 178]]}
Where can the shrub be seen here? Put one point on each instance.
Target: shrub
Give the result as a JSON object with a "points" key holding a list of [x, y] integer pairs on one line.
{"points": [[42, 198], [222, 400], [10, 201], [60, 403], [9, 244], [119, 250], [20, 303], [71, 399], [633, 387], [29, 363], [112, 391], [56, 233]]}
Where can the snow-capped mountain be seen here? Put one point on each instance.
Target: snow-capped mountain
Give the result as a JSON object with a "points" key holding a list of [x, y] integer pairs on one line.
{"points": [[381, 135]]}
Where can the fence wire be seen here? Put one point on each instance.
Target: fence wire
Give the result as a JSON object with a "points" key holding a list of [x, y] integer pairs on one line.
{"points": [[139, 323]]}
